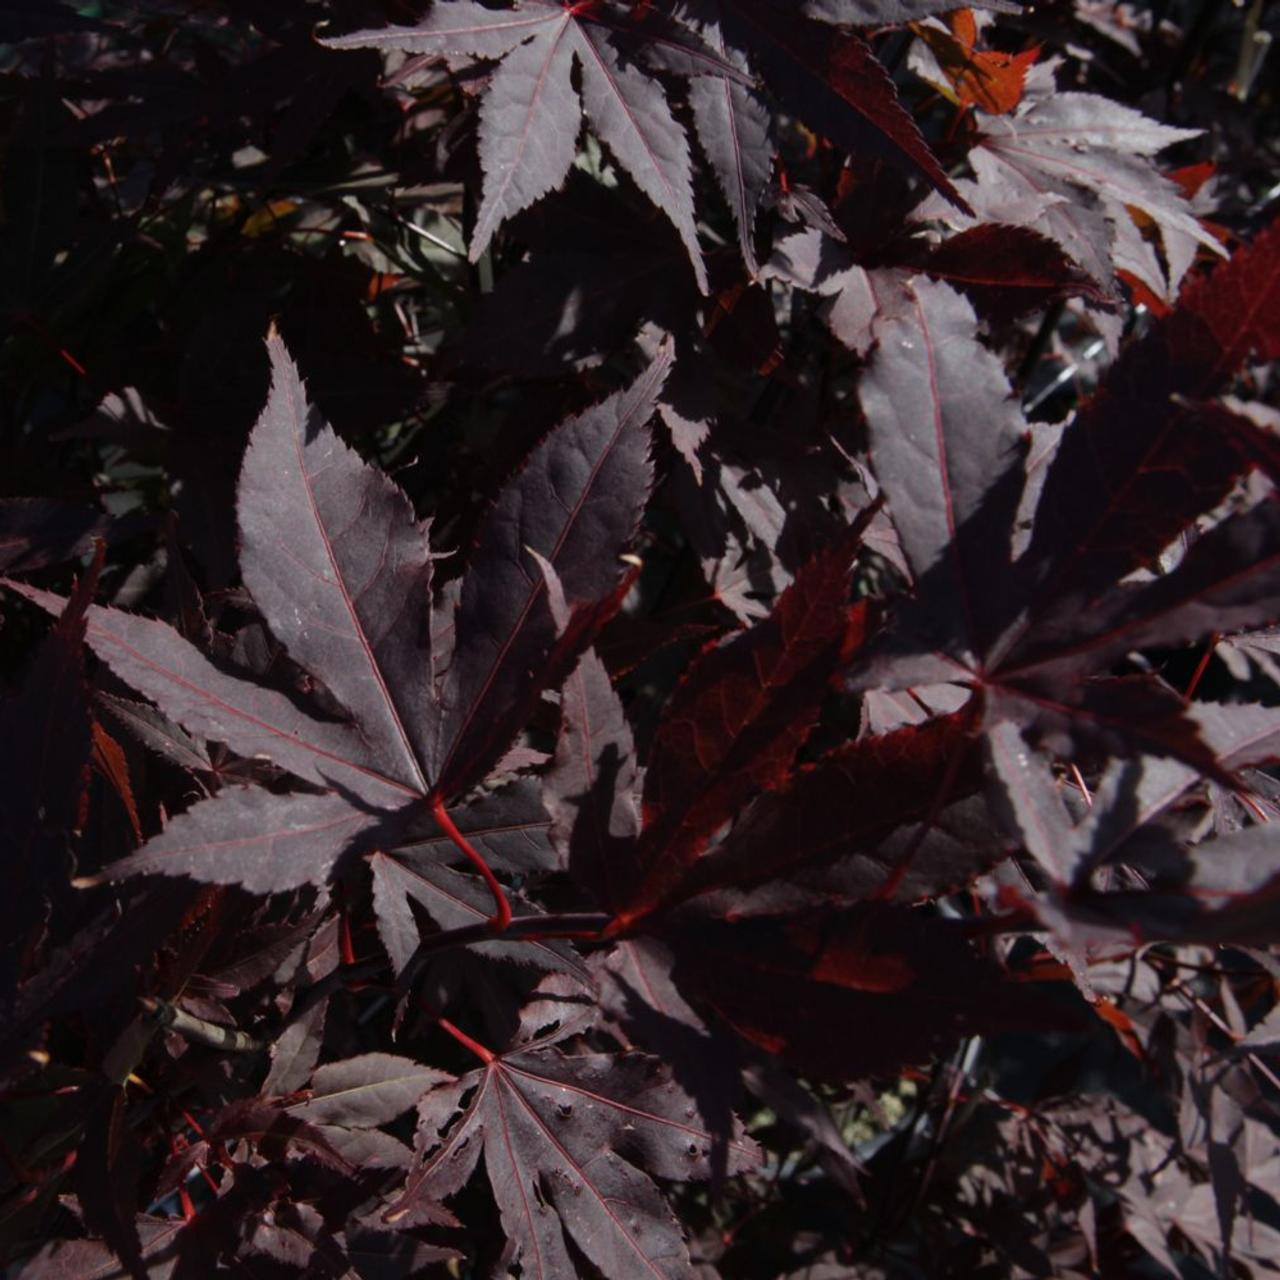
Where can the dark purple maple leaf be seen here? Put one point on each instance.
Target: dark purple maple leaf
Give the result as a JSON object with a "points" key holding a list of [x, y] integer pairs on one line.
{"points": [[1038, 652], [365, 1092], [531, 114], [840, 813], [946, 440], [832, 80], [1006, 271], [736, 132], [1070, 165], [564, 1138], [1117, 495], [591, 788], [342, 572], [93, 1260], [734, 724]]}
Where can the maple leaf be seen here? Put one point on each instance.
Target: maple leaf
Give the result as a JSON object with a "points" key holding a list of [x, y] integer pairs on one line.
{"points": [[1006, 271], [946, 440], [93, 1260], [734, 724], [1037, 653], [365, 1092], [1071, 165], [531, 113], [736, 131], [591, 788], [1144, 481], [564, 1138], [853, 814], [832, 80], [342, 571]]}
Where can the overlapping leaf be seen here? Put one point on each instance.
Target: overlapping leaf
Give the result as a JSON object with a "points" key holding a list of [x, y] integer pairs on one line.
{"points": [[827, 990], [1211, 889], [1006, 271], [342, 572], [833, 81], [1082, 161], [734, 725], [531, 114], [946, 442], [592, 784], [841, 811], [578, 498], [1139, 462], [736, 131], [564, 1140], [1145, 475]]}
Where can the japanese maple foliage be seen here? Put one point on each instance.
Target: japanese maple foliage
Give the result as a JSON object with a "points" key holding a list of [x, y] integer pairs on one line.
{"points": [[639, 639]]}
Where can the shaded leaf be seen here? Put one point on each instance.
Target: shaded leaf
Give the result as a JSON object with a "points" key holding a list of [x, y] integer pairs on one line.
{"points": [[591, 788], [841, 810], [735, 130], [569, 1134], [451, 901], [734, 724], [1006, 271], [947, 440], [367, 1091], [829, 991], [631, 117], [45, 744], [833, 81], [528, 128], [1136, 465]]}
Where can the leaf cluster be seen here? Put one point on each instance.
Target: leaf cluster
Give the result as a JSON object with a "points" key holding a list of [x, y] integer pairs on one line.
{"points": [[639, 639]]}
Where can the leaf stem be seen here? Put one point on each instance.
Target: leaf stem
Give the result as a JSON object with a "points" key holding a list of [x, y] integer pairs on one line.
{"points": [[485, 1054], [1201, 667], [501, 918], [573, 924]]}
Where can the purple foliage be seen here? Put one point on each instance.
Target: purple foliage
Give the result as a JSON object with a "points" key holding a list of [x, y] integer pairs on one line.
{"points": [[639, 640]]}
